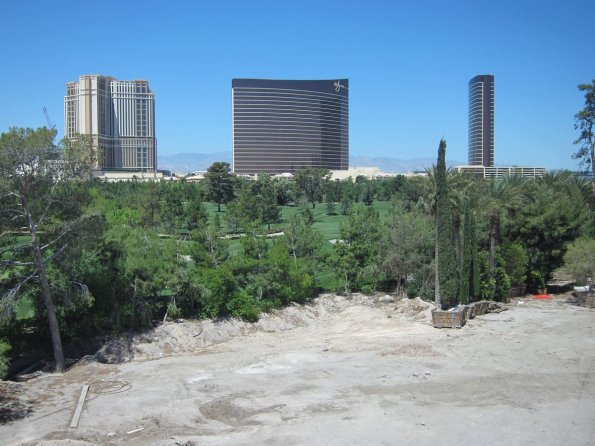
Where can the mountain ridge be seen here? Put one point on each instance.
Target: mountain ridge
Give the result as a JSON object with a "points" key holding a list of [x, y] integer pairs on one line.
{"points": [[193, 162]]}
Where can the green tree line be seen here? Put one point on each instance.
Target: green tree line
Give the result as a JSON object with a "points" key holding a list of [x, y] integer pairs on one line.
{"points": [[82, 257]]}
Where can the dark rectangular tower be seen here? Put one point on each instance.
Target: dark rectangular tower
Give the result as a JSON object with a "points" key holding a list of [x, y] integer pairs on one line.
{"points": [[481, 121], [283, 125]]}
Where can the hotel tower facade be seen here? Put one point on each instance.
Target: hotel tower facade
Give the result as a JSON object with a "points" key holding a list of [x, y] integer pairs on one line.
{"points": [[481, 121], [119, 118], [281, 126]]}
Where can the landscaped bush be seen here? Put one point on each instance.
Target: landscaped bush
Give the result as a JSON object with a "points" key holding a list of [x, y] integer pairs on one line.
{"points": [[4, 349], [515, 261], [579, 260], [243, 306]]}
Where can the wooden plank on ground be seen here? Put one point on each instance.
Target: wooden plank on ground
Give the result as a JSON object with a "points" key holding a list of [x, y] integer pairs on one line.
{"points": [[79, 406]]}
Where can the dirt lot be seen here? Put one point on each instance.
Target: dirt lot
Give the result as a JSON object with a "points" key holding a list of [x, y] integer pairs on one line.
{"points": [[335, 373]]}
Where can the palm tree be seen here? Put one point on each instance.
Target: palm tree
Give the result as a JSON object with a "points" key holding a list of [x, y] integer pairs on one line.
{"points": [[460, 190], [461, 187], [504, 194], [564, 181]]}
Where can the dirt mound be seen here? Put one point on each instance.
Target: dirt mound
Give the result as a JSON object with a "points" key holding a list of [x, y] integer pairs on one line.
{"points": [[416, 308], [193, 336], [170, 338]]}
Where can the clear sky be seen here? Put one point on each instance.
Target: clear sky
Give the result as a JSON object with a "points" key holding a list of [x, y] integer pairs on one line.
{"points": [[408, 65]]}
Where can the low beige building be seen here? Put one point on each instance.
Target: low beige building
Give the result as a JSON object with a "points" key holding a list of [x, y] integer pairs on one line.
{"points": [[370, 173], [499, 172]]}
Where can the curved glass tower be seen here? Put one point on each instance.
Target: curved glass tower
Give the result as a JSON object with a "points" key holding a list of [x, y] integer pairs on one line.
{"points": [[283, 125], [481, 121]]}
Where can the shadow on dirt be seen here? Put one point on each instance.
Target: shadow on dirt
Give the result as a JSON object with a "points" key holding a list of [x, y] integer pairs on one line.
{"points": [[12, 407]]}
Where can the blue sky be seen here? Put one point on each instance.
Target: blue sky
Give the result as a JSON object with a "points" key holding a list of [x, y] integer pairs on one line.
{"points": [[408, 64]]}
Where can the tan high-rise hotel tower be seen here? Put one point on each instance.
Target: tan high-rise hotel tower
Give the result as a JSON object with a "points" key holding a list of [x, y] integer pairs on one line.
{"points": [[118, 116]]}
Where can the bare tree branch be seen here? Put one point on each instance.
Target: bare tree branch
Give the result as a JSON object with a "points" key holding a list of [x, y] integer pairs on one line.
{"points": [[8, 300], [15, 263]]}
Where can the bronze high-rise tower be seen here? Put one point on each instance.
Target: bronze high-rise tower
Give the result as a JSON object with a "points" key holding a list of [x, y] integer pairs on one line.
{"points": [[481, 121]]}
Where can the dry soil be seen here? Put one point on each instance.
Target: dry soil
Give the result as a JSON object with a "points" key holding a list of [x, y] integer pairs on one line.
{"points": [[341, 371]]}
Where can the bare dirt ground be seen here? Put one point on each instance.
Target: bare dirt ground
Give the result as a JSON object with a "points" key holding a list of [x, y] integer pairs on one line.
{"points": [[333, 373]]}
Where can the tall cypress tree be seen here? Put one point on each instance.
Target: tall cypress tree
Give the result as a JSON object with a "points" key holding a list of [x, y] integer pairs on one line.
{"points": [[446, 274], [469, 287], [474, 281]]}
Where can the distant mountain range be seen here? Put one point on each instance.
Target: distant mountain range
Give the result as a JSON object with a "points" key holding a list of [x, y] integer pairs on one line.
{"points": [[192, 162], [397, 165]]}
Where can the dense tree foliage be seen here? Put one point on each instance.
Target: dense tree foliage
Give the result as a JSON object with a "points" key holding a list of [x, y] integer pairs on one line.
{"points": [[4, 349], [553, 213], [355, 255], [40, 197], [143, 252], [579, 260], [302, 240], [584, 121], [256, 201], [310, 184], [408, 250]]}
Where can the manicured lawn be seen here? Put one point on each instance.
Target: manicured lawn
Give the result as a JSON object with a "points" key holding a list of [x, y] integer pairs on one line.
{"points": [[327, 225], [212, 211], [234, 247], [383, 208]]}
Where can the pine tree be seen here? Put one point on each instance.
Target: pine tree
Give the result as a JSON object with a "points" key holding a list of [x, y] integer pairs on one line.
{"points": [[220, 183], [196, 213]]}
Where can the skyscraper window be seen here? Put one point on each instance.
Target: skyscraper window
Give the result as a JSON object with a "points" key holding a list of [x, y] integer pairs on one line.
{"points": [[283, 125]]}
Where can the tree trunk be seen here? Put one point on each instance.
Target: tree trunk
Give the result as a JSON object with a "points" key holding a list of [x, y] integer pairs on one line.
{"points": [[494, 229], [593, 165], [456, 222], [437, 299], [465, 263], [47, 300]]}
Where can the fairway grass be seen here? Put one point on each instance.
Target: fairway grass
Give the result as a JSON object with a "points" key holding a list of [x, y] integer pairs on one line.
{"points": [[329, 226]]}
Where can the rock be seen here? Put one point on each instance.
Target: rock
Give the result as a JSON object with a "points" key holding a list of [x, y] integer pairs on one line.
{"points": [[386, 299], [495, 307], [116, 351]]}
